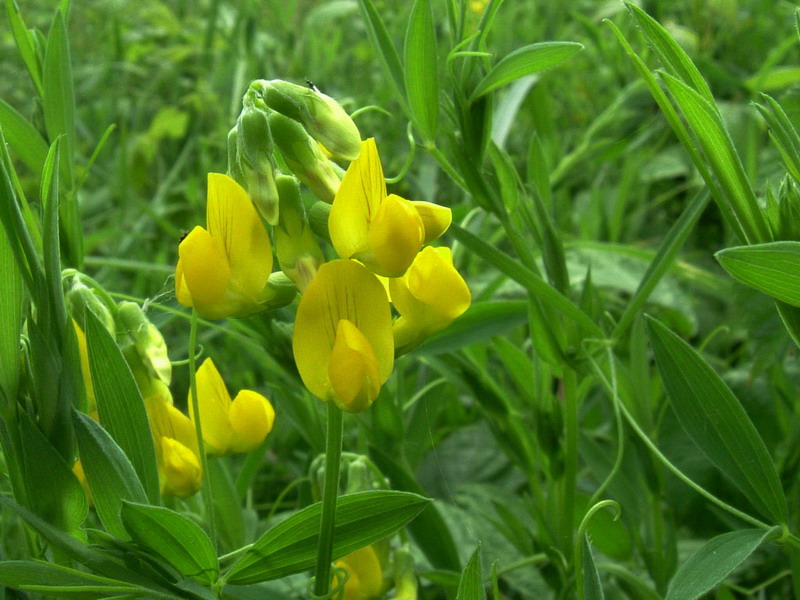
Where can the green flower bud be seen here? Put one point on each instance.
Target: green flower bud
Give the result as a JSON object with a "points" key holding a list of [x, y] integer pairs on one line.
{"points": [[295, 245], [147, 340], [788, 227], [405, 581], [279, 291], [234, 168], [324, 119], [80, 298], [255, 154], [359, 477], [304, 157]]}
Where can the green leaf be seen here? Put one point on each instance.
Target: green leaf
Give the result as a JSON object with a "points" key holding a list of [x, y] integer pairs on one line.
{"points": [[50, 194], [382, 43], [716, 422], [592, 588], [10, 322], [291, 545], [470, 587], [482, 321], [61, 582], [120, 404], [706, 123], [25, 44], [669, 52], [429, 529], [108, 471], [28, 144], [783, 134], [525, 61], [59, 97], [227, 506], [770, 268], [712, 563], [175, 538], [53, 491], [536, 286], [421, 73]]}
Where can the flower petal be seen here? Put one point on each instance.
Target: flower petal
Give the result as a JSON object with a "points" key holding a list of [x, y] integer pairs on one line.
{"points": [[395, 234], [353, 369], [214, 402], [435, 218], [180, 469], [366, 574], [251, 417], [357, 201], [234, 223], [204, 268], [342, 289]]}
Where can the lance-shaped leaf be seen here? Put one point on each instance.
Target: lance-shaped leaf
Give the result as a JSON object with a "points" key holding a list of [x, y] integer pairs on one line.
{"points": [[421, 75], [772, 268], [291, 545], [470, 587], [716, 422]]}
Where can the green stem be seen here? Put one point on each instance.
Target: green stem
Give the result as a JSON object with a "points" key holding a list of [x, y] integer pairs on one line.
{"points": [[333, 454], [571, 458], [198, 427], [447, 167]]}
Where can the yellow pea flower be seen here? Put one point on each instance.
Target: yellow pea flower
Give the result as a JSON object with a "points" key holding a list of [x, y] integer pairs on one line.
{"points": [[428, 297], [365, 579], [343, 335], [230, 426], [384, 232], [222, 271], [175, 443]]}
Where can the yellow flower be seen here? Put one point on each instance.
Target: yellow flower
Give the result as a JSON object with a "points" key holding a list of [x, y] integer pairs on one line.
{"points": [[365, 579], [384, 232], [175, 443], [223, 271], [230, 426], [428, 297], [343, 336]]}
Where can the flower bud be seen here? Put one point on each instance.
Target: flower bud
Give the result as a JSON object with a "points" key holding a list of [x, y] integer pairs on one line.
{"points": [[405, 581], [279, 291], [297, 248], [234, 168], [304, 157], [79, 298], [147, 340], [255, 153], [324, 119]]}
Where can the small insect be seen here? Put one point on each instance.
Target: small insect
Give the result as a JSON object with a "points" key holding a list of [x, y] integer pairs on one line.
{"points": [[311, 85], [184, 236]]}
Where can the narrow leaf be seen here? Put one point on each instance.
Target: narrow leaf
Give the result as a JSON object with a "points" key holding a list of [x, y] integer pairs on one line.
{"points": [[25, 44], [421, 73], [291, 545], [470, 587], [59, 96], [120, 404], [716, 422], [109, 472], [27, 143], [713, 562], [61, 582], [525, 61], [770, 268], [383, 45], [10, 320], [175, 538], [592, 588]]}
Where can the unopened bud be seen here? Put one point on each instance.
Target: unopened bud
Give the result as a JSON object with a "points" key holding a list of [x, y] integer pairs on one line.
{"points": [[405, 581], [147, 340], [234, 168], [788, 211], [255, 154], [80, 298], [304, 157], [359, 478], [279, 291], [295, 245], [321, 115]]}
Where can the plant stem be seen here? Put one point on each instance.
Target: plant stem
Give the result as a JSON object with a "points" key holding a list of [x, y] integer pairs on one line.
{"points": [[198, 427], [571, 458], [333, 454]]}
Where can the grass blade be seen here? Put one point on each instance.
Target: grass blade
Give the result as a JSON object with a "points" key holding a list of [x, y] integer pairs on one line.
{"points": [[421, 71]]}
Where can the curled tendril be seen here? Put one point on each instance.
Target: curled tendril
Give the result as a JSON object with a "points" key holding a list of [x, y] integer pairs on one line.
{"points": [[411, 152], [336, 592], [185, 361], [578, 556]]}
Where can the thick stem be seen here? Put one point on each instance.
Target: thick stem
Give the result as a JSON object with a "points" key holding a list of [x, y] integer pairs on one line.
{"points": [[333, 454], [198, 427]]}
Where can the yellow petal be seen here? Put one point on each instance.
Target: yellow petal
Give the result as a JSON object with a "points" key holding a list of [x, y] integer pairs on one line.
{"points": [[77, 469], [360, 194], [251, 418], [182, 293], [353, 369], [435, 218], [366, 574], [204, 268], [395, 236], [234, 223], [342, 289], [87, 377], [180, 470], [214, 402]]}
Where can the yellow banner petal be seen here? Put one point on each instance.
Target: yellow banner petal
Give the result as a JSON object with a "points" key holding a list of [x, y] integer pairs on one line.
{"points": [[205, 268], [214, 402]]}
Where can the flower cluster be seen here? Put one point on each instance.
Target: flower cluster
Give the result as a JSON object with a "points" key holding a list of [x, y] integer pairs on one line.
{"points": [[387, 291]]}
